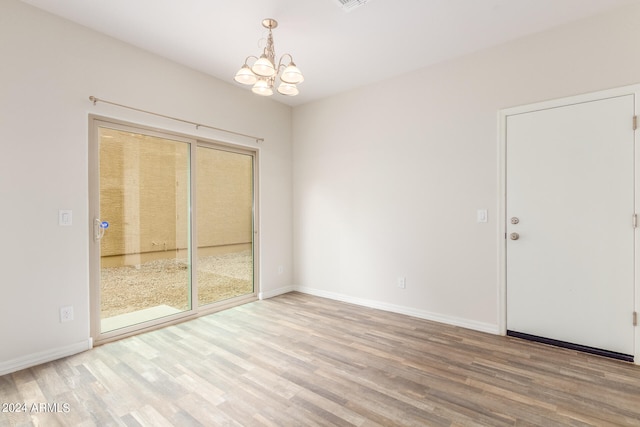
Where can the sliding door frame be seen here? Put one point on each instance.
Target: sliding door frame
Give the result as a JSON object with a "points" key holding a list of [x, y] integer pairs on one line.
{"points": [[95, 122]]}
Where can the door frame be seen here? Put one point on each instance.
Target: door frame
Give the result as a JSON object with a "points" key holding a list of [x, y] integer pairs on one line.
{"points": [[195, 311], [502, 199]]}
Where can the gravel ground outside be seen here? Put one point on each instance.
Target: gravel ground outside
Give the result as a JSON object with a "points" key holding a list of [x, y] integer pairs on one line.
{"points": [[132, 288]]}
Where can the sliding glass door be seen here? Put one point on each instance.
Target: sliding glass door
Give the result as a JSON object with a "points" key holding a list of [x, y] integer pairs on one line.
{"points": [[153, 251], [143, 228], [225, 224]]}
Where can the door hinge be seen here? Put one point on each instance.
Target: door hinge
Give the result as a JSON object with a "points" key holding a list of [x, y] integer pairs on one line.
{"points": [[635, 220], [635, 122], [635, 318]]}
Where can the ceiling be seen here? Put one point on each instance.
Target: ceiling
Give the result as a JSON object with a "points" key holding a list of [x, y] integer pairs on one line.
{"points": [[336, 50]]}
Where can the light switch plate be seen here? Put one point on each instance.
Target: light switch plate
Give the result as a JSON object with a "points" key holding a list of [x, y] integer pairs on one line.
{"points": [[65, 217], [483, 215]]}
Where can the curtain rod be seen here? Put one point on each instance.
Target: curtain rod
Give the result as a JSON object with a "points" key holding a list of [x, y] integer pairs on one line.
{"points": [[197, 125]]}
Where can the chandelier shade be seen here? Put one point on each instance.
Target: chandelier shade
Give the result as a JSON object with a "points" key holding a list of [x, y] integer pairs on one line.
{"points": [[246, 76], [288, 89], [262, 88], [291, 74], [263, 73], [263, 67]]}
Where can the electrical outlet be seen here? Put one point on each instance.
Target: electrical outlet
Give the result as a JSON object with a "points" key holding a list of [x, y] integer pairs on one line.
{"points": [[402, 282], [66, 314], [280, 269]]}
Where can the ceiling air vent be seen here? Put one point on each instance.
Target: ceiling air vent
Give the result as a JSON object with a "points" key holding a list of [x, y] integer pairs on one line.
{"points": [[349, 5]]}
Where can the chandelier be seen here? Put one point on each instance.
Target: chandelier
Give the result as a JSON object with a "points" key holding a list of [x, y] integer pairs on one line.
{"points": [[262, 74]]}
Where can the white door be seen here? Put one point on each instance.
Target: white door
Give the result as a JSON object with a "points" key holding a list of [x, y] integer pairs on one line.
{"points": [[570, 199]]}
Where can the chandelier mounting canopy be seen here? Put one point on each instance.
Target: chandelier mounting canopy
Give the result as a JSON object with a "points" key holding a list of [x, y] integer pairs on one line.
{"points": [[270, 23]]}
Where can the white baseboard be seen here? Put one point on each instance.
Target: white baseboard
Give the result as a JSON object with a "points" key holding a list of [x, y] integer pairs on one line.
{"points": [[275, 292], [422, 314], [44, 357]]}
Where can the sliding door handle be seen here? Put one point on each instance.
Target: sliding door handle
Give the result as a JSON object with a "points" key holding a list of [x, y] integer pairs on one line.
{"points": [[98, 229]]}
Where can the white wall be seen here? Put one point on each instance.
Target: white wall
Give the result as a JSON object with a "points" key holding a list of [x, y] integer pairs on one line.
{"points": [[49, 69], [388, 178]]}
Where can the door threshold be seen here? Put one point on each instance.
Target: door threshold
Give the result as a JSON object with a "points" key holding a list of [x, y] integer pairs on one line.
{"points": [[571, 346]]}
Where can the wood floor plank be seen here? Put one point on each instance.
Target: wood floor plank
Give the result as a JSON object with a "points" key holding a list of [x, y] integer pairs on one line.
{"points": [[298, 360]]}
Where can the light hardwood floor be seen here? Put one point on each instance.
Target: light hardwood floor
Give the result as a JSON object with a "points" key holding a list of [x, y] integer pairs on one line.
{"points": [[298, 360]]}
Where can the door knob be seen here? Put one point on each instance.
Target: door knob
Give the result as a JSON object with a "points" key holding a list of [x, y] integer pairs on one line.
{"points": [[515, 220], [514, 236]]}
